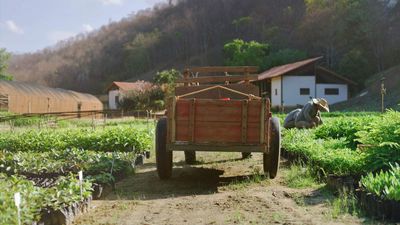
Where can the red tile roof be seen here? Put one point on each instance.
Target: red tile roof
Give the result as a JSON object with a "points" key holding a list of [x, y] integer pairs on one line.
{"points": [[130, 86], [284, 69]]}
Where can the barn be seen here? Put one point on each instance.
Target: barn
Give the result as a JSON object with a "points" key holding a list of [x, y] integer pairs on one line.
{"points": [[21, 97], [294, 84], [116, 91]]}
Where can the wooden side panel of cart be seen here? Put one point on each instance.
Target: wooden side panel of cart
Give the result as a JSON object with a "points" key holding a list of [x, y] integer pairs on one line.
{"points": [[218, 125]]}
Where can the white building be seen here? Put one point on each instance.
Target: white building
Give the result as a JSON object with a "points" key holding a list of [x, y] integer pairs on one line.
{"points": [[294, 84], [117, 90]]}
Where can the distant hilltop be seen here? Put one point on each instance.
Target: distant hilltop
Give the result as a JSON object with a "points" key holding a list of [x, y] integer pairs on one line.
{"points": [[356, 40]]}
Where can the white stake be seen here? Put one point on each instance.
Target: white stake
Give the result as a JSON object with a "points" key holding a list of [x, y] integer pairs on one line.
{"points": [[80, 174], [17, 199]]}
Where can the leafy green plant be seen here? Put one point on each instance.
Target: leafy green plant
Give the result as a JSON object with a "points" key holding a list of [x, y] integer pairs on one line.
{"points": [[56, 163], [331, 156], [342, 128], [109, 139], [385, 184], [298, 176], [65, 192]]}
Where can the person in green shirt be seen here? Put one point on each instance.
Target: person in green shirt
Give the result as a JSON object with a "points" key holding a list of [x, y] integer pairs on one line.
{"points": [[307, 117]]}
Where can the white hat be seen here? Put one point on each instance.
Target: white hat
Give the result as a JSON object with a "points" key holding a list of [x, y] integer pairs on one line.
{"points": [[322, 103]]}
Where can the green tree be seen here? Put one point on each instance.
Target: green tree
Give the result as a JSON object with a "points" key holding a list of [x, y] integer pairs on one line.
{"points": [[166, 77], [282, 57], [4, 57], [151, 98], [355, 65], [241, 53]]}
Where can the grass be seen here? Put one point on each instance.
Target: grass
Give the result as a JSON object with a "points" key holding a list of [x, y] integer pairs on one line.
{"points": [[344, 204], [298, 176], [277, 217], [257, 177], [238, 217]]}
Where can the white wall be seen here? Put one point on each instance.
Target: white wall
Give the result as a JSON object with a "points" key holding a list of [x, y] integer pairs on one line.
{"points": [[343, 92], [276, 95], [111, 99], [291, 89]]}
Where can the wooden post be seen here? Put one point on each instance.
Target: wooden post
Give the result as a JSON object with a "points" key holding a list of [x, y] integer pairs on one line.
{"points": [[383, 93], [246, 72], [262, 122], [192, 119], [185, 76], [173, 120], [79, 109], [93, 125], [245, 104]]}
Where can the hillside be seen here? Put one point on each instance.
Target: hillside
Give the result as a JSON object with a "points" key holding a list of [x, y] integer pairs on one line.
{"points": [[370, 98], [357, 38]]}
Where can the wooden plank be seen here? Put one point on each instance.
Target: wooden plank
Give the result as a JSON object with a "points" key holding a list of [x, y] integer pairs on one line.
{"points": [[215, 147], [213, 132], [262, 122], [192, 116], [244, 120], [245, 88], [217, 79], [218, 121], [223, 69], [253, 114], [173, 118], [168, 112]]}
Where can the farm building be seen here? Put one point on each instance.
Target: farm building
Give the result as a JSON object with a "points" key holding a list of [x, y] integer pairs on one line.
{"points": [[21, 97], [117, 90], [294, 84]]}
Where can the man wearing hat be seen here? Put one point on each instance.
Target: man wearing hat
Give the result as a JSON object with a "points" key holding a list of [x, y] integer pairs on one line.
{"points": [[307, 117]]}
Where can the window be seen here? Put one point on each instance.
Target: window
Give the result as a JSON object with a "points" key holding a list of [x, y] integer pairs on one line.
{"points": [[304, 91], [276, 91], [331, 91]]}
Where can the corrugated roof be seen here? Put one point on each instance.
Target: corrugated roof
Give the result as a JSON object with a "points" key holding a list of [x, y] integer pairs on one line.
{"points": [[34, 89], [131, 86], [284, 69]]}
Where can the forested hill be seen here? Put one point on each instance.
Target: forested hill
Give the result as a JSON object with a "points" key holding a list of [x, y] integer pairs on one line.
{"points": [[356, 37]]}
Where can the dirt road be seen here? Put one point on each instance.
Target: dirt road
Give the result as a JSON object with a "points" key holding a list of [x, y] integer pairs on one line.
{"points": [[221, 189]]}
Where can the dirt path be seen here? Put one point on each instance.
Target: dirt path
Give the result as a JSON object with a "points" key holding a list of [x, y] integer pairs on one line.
{"points": [[221, 190]]}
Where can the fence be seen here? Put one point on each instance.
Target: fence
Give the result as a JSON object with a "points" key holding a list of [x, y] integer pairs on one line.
{"points": [[95, 117]]}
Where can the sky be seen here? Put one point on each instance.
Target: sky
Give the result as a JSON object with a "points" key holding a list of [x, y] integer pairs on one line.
{"points": [[31, 25]]}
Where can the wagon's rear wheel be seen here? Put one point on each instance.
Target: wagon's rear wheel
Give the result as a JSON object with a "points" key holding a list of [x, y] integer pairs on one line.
{"points": [[163, 157], [271, 160], [190, 157]]}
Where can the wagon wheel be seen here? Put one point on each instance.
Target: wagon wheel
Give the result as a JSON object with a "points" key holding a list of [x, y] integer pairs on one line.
{"points": [[163, 157], [190, 157], [271, 160]]}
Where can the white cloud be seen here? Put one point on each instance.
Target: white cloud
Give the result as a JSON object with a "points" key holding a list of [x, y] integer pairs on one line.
{"points": [[87, 28], [112, 2], [59, 35], [13, 27]]}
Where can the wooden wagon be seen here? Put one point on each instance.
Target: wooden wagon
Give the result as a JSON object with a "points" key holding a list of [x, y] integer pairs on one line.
{"points": [[217, 113]]}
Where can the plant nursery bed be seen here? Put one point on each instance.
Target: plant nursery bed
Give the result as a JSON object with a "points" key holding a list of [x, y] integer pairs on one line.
{"points": [[377, 207], [64, 216], [337, 183]]}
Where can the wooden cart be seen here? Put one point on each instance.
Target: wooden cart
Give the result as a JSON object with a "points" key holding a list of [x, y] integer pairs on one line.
{"points": [[225, 116]]}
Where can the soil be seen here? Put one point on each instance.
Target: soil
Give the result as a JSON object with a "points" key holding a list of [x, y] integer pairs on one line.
{"points": [[221, 189]]}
